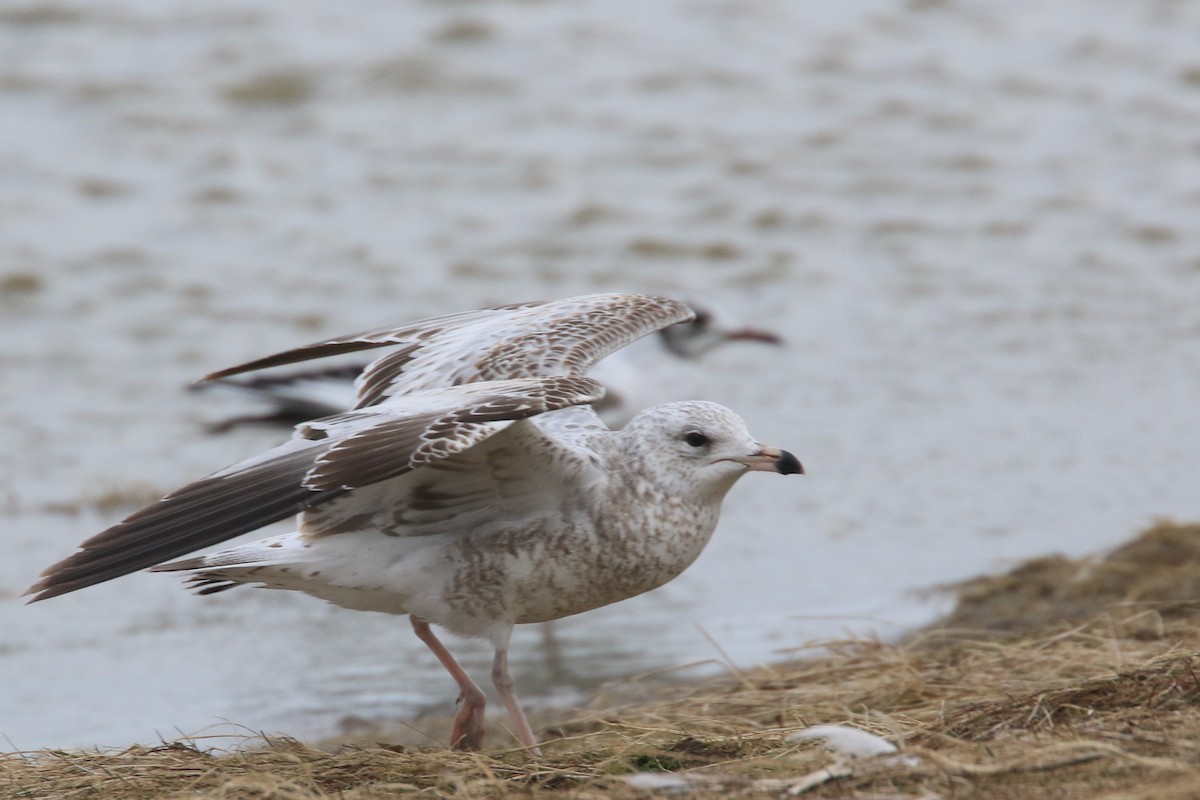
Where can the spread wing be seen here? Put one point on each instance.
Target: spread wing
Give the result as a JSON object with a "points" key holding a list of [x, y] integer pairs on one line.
{"points": [[561, 337], [325, 460], [515, 478]]}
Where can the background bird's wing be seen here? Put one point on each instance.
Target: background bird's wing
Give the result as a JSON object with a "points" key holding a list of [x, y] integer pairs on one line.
{"points": [[326, 459], [299, 396], [561, 337]]}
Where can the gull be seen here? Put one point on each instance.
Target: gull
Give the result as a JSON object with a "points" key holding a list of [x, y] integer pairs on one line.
{"points": [[472, 487], [302, 395]]}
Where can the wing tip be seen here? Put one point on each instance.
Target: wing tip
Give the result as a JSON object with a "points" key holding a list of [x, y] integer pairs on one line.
{"points": [[201, 383], [51, 583], [180, 566], [47, 588]]}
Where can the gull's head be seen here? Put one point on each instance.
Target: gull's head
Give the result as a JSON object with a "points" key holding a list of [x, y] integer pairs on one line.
{"points": [[704, 444], [710, 328]]}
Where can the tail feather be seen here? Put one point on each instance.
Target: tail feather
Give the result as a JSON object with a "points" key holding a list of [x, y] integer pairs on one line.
{"points": [[246, 564], [204, 584]]}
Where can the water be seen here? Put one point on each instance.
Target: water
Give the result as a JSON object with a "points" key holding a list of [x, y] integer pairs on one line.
{"points": [[974, 223]]}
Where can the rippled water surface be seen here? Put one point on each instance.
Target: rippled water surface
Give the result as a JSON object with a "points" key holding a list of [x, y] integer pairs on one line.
{"points": [[975, 223]]}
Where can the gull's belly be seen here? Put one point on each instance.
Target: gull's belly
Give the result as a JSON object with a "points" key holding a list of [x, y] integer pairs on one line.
{"points": [[490, 578], [535, 574]]}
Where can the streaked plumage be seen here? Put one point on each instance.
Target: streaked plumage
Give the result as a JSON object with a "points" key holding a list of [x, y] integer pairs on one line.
{"points": [[300, 395], [472, 486]]}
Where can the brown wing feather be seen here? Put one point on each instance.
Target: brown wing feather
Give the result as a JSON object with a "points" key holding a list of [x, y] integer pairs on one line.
{"points": [[397, 446], [329, 458], [563, 337], [378, 337], [200, 514], [526, 340]]}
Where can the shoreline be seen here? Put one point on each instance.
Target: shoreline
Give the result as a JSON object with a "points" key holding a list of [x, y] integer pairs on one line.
{"points": [[1060, 678]]}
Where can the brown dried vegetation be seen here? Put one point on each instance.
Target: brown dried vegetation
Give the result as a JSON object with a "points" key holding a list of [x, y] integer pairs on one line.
{"points": [[1060, 679]]}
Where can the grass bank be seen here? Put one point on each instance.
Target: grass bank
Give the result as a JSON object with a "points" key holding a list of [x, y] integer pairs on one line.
{"points": [[1060, 679]]}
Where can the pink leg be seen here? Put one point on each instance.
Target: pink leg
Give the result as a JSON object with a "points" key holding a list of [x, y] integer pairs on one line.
{"points": [[467, 733], [504, 685]]}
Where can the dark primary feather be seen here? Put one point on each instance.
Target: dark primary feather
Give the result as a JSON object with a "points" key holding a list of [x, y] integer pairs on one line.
{"points": [[307, 472], [200, 514]]}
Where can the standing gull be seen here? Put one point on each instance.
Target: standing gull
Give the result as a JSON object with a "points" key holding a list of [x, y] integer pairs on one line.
{"points": [[471, 487], [301, 395]]}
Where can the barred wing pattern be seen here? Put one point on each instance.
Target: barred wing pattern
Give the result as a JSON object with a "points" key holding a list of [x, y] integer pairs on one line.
{"points": [[561, 337], [325, 460]]}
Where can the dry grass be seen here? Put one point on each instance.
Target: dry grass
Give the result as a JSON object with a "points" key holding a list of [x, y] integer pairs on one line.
{"points": [[1061, 679]]}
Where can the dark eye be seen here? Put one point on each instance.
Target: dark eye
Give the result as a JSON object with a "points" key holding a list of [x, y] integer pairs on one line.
{"points": [[696, 439]]}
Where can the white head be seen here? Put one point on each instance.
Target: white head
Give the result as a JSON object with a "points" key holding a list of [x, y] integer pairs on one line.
{"points": [[701, 447], [710, 328]]}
